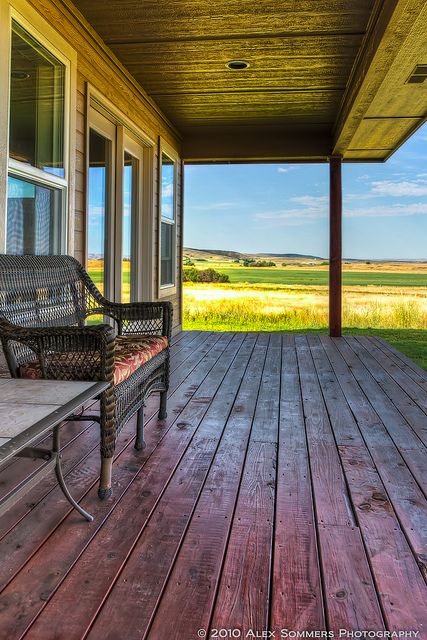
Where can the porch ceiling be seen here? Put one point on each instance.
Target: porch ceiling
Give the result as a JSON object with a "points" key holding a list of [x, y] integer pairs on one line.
{"points": [[325, 77]]}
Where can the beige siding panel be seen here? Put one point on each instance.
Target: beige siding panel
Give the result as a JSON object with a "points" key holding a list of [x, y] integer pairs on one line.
{"points": [[80, 181], [81, 101], [80, 142], [81, 122]]}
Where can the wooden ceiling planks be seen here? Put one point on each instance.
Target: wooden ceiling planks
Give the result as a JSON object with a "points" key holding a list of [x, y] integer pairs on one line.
{"points": [[280, 64], [309, 62], [174, 20], [258, 108]]}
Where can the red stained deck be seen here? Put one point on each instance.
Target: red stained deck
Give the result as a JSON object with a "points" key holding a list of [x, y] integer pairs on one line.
{"points": [[286, 489]]}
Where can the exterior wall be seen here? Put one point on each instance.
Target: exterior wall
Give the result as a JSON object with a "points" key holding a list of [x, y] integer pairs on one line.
{"points": [[97, 68]]}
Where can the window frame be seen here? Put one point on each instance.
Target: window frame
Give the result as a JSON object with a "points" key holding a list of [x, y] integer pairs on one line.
{"points": [[34, 23], [101, 125], [128, 134], [166, 290]]}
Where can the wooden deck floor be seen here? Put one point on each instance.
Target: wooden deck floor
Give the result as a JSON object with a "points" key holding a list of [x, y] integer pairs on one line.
{"points": [[286, 490]]}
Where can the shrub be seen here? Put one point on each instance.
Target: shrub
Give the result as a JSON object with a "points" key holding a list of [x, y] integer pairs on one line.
{"points": [[262, 263], [190, 274], [210, 275]]}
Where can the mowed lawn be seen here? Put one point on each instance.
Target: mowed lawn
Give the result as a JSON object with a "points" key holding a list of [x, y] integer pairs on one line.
{"points": [[320, 277]]}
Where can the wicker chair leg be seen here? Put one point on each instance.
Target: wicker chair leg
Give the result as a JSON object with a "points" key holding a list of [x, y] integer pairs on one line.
{"points": [[163, 405], [105, 490], [139, 441]]}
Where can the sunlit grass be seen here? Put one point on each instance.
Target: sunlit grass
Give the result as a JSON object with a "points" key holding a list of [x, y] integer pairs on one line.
{"points": [[400, 316], [254, 309]]}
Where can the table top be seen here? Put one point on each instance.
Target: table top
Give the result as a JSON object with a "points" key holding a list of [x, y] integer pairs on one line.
{"points": [[30, 408]]}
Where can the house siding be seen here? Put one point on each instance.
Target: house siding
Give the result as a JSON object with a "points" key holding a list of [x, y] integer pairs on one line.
{"points": [[98, 69]]}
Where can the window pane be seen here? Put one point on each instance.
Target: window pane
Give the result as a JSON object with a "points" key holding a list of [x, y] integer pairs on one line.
{"points": [[33, 218], [130, 211], [36, 104], [99, 178], [168, 188], [166, 261]]}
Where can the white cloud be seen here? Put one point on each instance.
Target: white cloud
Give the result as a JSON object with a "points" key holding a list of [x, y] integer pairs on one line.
{"points": [[311, 208], [166, 210], [389, 211], [285, 169], [96, 211], [167, 190], [405, 188], [317, 208], [311, 201], [351, 197], [216, 206]]}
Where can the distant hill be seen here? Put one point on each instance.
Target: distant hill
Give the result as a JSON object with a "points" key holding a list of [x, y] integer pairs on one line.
{"points": [[299, 256], [237, 255], [216, 252], [221, 254]]}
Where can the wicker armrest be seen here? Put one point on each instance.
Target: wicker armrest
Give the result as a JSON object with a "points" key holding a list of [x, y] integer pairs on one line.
{"points": [[88, 349], [142, 317]]}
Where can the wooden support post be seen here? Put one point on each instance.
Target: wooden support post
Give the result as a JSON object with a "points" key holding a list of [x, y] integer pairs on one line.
{"points": [[335, 246]]}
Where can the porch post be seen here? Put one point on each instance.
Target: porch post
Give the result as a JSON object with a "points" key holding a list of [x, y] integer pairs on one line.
{"points": [[335, 246]]}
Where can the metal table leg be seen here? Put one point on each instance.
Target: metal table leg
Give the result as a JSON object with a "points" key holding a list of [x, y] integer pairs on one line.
{"points": [[60, 476]]}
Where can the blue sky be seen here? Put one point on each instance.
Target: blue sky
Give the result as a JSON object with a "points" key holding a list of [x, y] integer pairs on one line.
{"points": [[284, 208]]}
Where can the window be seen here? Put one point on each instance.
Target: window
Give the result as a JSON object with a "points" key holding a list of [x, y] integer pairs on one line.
{"points": [[167, 222], [119, 217], [34, 218], [130, 218], [100, 187], [37, 168], [37, 86]]}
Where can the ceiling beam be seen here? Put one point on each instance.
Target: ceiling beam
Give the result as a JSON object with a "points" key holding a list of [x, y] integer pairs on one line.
{"points": [[256, 144]]}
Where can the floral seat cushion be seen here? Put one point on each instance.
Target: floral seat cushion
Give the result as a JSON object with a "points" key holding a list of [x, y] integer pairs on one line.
{"points": [[131, 352]]}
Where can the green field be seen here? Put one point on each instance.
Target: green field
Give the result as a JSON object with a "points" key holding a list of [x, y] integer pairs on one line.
{"points": [[321, 276]]}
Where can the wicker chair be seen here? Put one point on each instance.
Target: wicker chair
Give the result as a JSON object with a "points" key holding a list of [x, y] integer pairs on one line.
{"points": [[44, 303]]}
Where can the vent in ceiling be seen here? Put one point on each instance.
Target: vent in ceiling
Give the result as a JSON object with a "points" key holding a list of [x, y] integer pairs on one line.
{"points": [[418, 75]]}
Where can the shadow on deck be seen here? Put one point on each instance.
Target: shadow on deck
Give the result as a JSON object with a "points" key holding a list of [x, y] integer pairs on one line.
{"points": [[285, 490]]}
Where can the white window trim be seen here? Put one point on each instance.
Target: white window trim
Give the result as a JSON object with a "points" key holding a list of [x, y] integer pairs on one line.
{"points": [[34, 23], [145, 226], [166, 290]]}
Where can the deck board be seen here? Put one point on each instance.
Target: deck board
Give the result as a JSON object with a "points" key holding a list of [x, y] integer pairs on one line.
{"points": [[286, 489], [297, 597]]}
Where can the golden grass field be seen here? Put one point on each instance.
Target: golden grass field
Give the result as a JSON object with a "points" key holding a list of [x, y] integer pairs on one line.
{"points": [[273, 307]]}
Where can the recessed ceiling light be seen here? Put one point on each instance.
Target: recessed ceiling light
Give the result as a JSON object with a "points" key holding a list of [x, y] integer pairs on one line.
{"points": [[237, 65]]}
